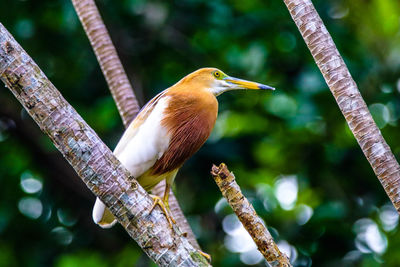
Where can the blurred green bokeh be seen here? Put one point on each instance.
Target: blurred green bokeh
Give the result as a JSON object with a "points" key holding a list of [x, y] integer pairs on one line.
{"points": [[291, 150]]}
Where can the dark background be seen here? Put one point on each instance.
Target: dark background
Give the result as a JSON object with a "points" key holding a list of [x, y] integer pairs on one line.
{"points": [[290, 149]]}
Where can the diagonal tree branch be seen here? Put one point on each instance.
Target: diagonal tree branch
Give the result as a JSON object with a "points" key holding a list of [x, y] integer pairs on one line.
{"points": [[92, 159], [177, 213], [121, 89], [29, 134], [248, 216], [108, 59], [347, 96]]}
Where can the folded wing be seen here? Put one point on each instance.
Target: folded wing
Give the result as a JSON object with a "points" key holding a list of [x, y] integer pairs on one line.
{"points": [[142, 144]]}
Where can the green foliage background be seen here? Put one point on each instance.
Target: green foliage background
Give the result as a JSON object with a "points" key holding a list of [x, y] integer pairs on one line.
{"points": [[291, 149]]}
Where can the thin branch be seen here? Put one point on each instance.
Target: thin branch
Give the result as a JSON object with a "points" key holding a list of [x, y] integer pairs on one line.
{"points": [[347, 96], [92, 159], [248, 216], [121, 89], [108, 59]]}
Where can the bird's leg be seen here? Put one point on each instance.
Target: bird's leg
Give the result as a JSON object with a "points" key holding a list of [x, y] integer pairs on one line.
{"points": [[205, 255], [164, 204], [159, 202], [165, 200]]}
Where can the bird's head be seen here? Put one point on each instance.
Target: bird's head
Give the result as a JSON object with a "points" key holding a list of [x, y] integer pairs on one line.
{"points": [[217, 82]]}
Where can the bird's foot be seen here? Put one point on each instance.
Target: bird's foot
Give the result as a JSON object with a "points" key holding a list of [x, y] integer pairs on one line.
{"points": [[205, 255], [164, 207]]}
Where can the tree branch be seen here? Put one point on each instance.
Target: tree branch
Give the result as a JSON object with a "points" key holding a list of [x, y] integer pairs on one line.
{"points": [[29, 134], [108, 59], [121, 89], [248, 216], [92, 160], [177, 213], [347, 96]]}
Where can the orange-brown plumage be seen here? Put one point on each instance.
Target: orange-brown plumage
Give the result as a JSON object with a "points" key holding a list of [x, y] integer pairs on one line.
{"points": [[189, 120], [170, 129]]}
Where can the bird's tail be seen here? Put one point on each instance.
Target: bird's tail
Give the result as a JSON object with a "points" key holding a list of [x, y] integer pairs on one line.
{"points": [[102, 216]]}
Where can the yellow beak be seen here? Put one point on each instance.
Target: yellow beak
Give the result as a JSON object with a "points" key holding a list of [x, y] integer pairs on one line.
{"points": [[243, 84]]}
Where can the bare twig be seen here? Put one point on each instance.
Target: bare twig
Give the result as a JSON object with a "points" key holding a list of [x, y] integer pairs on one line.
{"points": [[108, 59], [347, 96], [121, 89], [247, 215], [92, 159]]}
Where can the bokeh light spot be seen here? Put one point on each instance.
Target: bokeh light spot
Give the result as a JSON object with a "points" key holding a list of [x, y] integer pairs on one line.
{"points": [[388, 217], [30, 207], [380, 113], [286, 189], [231, 224], [304, 214], [281, 105], [30, 184], [62, 235], [237, 239], [288, 249], [221, 205], [338, 11], [66, 218], [310, 81], [251, 257], [369, 238]]}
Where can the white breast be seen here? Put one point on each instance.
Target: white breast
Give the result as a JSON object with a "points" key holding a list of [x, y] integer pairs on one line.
{"points": [[148, 144]]}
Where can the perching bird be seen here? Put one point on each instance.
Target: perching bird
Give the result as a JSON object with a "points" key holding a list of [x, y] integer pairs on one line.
{"points": [[169, 130]]}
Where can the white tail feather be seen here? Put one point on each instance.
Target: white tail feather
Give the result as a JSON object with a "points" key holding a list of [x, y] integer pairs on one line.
{"points": [[102, 216]]}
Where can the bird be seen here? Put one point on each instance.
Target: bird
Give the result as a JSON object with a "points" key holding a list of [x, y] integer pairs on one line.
{"points": [[168, 130]]}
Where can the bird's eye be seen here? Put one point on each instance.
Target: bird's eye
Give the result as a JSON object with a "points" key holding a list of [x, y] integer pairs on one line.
{"points": [[217, 74]]}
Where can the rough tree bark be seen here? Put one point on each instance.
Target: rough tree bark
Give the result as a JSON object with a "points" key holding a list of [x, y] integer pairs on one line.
{"points": [[108, 59], [177, 213], [92, 159], [347, 96], [121, 89], [248, 216]]}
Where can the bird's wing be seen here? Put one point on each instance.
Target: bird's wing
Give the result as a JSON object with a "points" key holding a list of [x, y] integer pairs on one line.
{"points": [[146, 139], [142, 144], [134, 126]]}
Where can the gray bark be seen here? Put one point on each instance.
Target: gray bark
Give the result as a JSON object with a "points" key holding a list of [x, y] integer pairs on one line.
{"points": [[347, 96], [107, 56], [92, 159], [121, 89]]}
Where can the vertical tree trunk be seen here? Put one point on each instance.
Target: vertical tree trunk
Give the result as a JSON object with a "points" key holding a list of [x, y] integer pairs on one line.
{"points": [[108, 59], [347, 96], [121, 89], [104, 175]]}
